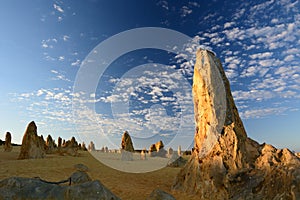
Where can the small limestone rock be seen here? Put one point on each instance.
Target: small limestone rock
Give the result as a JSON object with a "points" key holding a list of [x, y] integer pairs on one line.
{"points": [[126, 155], [50, 145], [176, 161], [170, 152], [59, 142], [152, 150], [79, 177], [81, 167], [7, 145], [70, 147], [143, 154], [91, 146], [159, 194], [32, 145], [179, 151], [83, 147], [126, 143], [63, 143], [159, 145]]}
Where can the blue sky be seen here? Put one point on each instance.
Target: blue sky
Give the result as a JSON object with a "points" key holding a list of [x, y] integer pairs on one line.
{"points": [[43, 45]]}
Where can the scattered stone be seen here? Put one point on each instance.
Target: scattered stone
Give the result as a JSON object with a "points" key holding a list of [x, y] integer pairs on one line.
{"points": [[176, 161], [159, 194], [7, 145], [159, 145], [157, 149], [43, 142], [81, 167], [70, 147], [83, 147], [162, 153], [102, 150], [143, 154], [179, 151], [63, 143], [126, 155], [79, 177], [230, 165], [32, 145], [187, 153], [126, 143], [59, 142], [91, 146], [152, 148], [50, 145], [170, 152]]}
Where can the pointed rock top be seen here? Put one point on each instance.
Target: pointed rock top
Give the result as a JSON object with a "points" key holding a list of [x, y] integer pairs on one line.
{"points": [[32, 128]]}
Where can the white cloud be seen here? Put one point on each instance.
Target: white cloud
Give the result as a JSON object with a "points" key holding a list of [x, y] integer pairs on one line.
{"points": [[163, 4], [289, 58], [76, 63], [66, 37], [59, 76], [185, 11], [58, 8], [262, 112], [228, 24], [261, 55], [250, 71], [252, 94]]}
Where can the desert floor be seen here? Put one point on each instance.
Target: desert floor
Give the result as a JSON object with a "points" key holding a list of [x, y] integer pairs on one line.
{"points": [[125, 185]]}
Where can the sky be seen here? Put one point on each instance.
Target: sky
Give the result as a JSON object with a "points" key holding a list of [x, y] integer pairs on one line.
{"points": [[45, 46]]}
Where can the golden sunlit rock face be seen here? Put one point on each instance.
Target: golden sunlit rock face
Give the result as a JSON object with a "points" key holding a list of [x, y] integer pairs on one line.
{"points": [[126, 143], [225, 163]]}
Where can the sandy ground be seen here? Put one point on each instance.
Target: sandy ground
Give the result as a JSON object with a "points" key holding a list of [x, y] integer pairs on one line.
{"points": [[136, 165], [125, 185]]}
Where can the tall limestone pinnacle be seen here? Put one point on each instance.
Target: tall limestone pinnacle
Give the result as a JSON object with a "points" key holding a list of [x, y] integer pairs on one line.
{"points": [[225, 163], [32, 144]]}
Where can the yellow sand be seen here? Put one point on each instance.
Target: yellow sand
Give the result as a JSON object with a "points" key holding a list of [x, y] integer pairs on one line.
{"points": [[55, 168]]}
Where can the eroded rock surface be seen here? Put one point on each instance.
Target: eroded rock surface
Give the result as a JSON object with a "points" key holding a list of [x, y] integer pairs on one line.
{"points": [[32, 145], [225, 163]]}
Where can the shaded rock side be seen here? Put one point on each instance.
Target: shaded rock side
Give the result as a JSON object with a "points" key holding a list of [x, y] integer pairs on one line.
{"points": [[225, 163], [7, 145], [126, 143], [32, 145]]}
